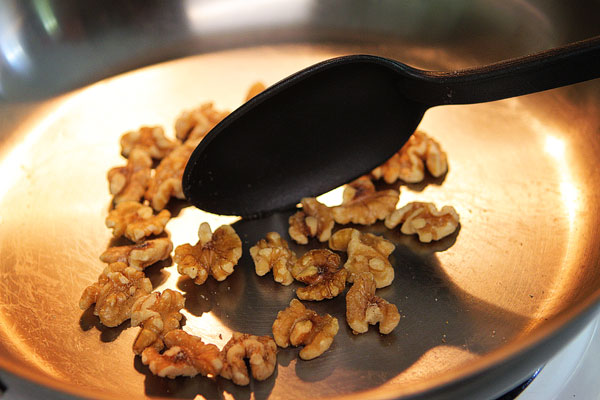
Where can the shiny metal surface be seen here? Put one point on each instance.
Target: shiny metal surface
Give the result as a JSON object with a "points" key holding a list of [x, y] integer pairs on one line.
{"points": [[523, 176]]}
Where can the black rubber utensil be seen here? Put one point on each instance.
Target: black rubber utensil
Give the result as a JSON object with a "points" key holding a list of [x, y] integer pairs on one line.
{"points": [[334, 121]]}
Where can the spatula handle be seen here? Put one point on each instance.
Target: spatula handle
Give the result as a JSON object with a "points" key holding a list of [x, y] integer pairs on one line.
{"points": [[573, 63]]}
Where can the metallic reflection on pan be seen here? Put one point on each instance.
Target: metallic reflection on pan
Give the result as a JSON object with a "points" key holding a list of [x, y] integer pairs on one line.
{"points": [[522, 176]]}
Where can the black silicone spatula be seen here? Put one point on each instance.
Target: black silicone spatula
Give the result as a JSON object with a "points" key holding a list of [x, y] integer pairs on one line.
{"points": [[336, 120]]}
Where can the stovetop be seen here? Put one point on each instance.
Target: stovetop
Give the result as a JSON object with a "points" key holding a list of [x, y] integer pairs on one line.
{"points": [[573, 373]]}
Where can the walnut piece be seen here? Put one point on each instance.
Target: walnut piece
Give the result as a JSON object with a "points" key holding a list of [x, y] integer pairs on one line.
{"points": [[187, 355], [319, 269], [315, 220], [129, 183], [255, 89], [117, 289], [194, 124], [366, 252], [298, 325], [151, 139], [364, 308], [140, 255], [261, 352], [166, 182], [425, 220], [136, 221], [409, 162], [215, 254], [157, 314], [363, 205], [274, 254]]}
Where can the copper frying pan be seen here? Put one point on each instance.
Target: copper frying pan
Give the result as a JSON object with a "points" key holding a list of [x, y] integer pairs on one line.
{"points": [[481, 309]]}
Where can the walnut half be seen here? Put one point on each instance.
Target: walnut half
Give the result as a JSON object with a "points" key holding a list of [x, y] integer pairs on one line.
{"points": [[136, 221], [366, 252], [187, 355], [117, 289], [363, 205], [298, 325], [139, 255], [425, 220], [273, 253], [194, 124], [319, 269], [261, 352], [166, 182], [157, 314], [129, 183], [215, 254], [315, 220], [409, 162], [363, 308], [151, 139]]}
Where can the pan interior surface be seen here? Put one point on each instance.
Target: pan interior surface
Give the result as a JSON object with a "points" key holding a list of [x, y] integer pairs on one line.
{"points": [[521, 177]]}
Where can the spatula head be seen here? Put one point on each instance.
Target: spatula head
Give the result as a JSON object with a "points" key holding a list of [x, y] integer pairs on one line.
{"points": [[304, 136]]}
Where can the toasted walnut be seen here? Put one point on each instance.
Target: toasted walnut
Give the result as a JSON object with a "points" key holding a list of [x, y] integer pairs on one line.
{"points": [[194, 124], [261, 352], [118, 287], [366, 252], [215, 254], [319, 269], [166, 182], [362, 204], [273, 253], [151, 139], [364, 308], [298, 325], [255, 89], [315, 220], [408, 163], [136, 221], [129, 183], [140, 255], [425, 220], [157, 313], [187, 355]]}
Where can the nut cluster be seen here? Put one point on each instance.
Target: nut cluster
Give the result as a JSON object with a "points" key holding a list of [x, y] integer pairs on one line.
{"points": [[140, 196]]}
